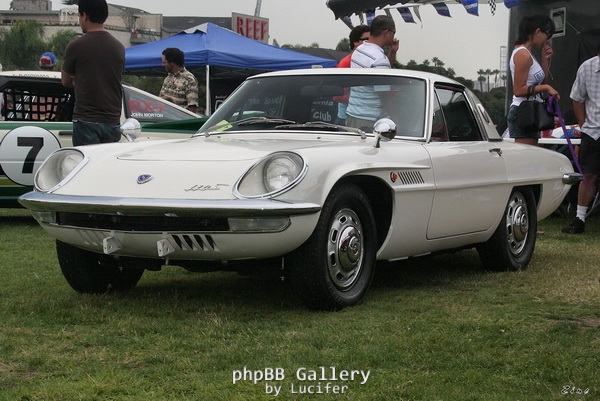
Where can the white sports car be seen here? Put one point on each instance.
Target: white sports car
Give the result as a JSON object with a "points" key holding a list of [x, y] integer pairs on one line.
{"points": [[271, 177]]}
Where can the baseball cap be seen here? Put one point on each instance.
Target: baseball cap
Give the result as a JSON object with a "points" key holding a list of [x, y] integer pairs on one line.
{"points": [[48, 60]]}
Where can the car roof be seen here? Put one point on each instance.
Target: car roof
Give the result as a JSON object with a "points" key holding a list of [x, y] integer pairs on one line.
{"points": [[362, 71], [31, 74]]}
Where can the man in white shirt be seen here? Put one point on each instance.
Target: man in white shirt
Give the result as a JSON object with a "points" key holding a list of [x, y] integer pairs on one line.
{"points": [[365, 104], [586, 105]]}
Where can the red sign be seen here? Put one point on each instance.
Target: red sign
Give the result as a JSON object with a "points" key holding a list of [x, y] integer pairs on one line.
{"points": [[251, 27]]}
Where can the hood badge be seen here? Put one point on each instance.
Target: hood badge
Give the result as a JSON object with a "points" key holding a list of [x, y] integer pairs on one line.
{"points": [[144, 178], [205, 187]]}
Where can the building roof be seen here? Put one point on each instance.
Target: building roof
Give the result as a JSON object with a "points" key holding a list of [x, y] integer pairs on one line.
{"points": [[178, 24], [126, 9]]}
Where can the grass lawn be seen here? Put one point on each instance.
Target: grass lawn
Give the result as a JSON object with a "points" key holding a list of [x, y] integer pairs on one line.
{"points": [[436, 328]]}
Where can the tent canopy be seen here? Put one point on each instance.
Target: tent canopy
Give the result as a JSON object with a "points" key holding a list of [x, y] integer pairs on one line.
{"points": [[218, 53], [210, 45], [345, 8]]}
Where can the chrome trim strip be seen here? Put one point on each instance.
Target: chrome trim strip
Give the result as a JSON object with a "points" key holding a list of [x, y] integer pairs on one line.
{"points": [[41, 202]]}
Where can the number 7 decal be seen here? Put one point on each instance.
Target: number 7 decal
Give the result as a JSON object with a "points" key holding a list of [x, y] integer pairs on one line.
{"points": [[36, 145], [22, 151]]}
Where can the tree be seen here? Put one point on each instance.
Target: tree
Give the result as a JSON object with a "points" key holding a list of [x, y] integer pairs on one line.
{"points": [[57, 44], [494, 102], [21, 45], [495, 74], [343, 45], [314, 45], [437, 62], [481, 79], [488, 72]]}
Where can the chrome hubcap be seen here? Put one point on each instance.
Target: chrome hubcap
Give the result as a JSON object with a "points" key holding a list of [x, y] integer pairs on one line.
{"points": [[517, 224], [345, 249]]}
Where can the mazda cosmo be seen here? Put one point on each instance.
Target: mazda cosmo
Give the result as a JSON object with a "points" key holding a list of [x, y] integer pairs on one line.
{"points": [[272, 178]]}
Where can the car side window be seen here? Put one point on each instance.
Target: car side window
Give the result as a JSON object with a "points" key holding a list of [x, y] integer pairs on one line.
{"points": [[460, 123], [439, 131], [42, 104]]}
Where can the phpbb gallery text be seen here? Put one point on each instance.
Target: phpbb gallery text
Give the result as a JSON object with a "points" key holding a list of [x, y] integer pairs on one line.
{"points": [[320, 380]]}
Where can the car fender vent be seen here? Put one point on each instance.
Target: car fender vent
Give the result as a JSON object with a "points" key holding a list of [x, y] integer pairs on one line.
{"points": [[194, 242], [411, 177]]}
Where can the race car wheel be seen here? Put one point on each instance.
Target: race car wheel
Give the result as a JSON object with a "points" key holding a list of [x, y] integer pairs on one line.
{"points": [[94, 273], [511, 246], [334, 267]]}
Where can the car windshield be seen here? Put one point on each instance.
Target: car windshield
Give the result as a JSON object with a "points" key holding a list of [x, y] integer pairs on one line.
{"points": [[314, 102]]}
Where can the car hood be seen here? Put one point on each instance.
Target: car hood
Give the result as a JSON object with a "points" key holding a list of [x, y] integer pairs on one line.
{"points": [[187, 168], [227, 147]]}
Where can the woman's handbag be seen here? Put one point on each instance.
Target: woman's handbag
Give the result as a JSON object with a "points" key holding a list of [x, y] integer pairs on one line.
{"points": [[533, 115]]}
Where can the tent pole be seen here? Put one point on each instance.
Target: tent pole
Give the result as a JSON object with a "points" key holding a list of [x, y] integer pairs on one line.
{"points": [[208, 108]]}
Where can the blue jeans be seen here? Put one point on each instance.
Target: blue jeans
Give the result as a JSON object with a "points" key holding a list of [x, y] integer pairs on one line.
{"points": [[513, 128], [88, 133]]}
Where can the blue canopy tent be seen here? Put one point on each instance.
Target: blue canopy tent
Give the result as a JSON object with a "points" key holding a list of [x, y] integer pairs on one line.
{"points": [[208, 45]]}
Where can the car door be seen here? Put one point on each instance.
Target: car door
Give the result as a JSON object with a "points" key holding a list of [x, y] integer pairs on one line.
{"points": [[469, 171]]}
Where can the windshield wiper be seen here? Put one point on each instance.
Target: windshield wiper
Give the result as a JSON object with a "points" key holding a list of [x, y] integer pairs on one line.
{"points": [[225, 125], [323, 125]]}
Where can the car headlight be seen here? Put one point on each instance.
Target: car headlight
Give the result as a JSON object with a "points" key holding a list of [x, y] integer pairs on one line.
{"points": [[58, 168], [271, 176]]}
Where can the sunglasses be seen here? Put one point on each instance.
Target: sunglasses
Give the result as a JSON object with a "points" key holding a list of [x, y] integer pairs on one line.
{"points": [[363, 39], [548, 34]]}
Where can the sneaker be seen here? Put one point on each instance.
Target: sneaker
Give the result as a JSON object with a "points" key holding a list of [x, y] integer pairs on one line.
{"points": [[577, 226]]}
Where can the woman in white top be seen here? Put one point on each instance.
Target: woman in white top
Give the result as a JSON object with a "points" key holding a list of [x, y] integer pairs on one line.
{"points": [[534, 32]]}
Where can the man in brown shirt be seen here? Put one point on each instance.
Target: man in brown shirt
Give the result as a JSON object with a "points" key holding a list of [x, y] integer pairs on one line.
{"points": [[93, 66]]}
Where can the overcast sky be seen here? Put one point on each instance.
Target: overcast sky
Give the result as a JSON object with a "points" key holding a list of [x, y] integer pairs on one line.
{"points": [[464, 42]]}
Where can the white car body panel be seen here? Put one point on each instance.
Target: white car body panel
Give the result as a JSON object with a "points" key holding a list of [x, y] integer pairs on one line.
{"points": [[191, 175]]}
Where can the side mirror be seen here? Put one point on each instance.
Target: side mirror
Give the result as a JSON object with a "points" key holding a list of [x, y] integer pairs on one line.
{"points": [[131, 129], [384, 130]]}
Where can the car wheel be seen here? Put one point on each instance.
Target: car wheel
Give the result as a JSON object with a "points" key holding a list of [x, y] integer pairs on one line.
{"points": [[93, 273], [511, 247], [334, 267]]}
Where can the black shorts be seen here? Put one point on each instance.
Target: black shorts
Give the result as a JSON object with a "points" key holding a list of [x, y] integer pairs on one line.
{"points": [[589, 155]]}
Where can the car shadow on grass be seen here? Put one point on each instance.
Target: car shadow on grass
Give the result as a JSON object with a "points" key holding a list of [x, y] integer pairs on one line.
{"points": [[214, 289], [428, 271], [210, 290]]}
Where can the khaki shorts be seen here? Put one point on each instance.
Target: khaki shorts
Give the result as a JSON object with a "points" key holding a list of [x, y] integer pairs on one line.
{"points": [[365, 125]]}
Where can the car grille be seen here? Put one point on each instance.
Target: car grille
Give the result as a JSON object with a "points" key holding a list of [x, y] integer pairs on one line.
{"points": [[142, 223]]}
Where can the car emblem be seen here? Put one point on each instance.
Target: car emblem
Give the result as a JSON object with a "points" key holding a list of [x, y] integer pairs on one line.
{"points": [[144, 178], [393, 176]]}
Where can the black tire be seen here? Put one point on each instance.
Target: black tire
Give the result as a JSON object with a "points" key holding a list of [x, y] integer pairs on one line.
{"points": [[334, 267], [511, 247], [93, 273]]}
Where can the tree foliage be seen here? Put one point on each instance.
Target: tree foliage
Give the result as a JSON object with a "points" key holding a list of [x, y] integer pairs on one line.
{"points": [[22, 45], [59, 41], [343, 45], [494, 102]]}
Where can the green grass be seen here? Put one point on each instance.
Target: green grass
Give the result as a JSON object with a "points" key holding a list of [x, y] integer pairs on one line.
{"points": [[436, 328]]}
